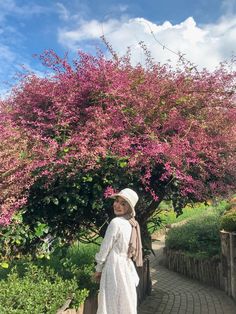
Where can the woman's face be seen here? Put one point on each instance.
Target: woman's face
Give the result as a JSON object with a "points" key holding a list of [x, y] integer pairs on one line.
{"points": [[120, 206]]}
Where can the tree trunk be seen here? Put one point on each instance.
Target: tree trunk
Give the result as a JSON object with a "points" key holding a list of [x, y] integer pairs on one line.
{"points": [[142, 216]]}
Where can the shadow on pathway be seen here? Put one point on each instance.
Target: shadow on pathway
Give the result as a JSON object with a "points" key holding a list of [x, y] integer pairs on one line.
{"points": [[174, 293]]}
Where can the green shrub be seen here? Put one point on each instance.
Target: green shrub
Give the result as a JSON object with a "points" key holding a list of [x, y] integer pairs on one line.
{"points": [[76, 261], [228, 221], [198, 236], [14, 238], [39, 291]]}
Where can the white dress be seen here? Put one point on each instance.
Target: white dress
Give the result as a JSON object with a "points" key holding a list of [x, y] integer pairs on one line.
{"points": [[117, 294]]}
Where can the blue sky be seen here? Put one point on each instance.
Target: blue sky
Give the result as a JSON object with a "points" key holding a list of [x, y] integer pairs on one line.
{"points": [[203, 30]]}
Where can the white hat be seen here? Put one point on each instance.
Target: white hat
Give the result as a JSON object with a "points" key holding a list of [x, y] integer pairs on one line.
{"points": [[130, 196]]}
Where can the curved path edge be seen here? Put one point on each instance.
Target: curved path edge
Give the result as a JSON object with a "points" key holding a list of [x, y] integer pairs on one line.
{"points": [[173, 293]]}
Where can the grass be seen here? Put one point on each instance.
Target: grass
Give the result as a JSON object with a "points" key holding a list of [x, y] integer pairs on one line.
{"points": [[165, 214], [190, 211]]}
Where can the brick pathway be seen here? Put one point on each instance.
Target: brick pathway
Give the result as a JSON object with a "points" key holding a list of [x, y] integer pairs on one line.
{"points": [[173, 293]]}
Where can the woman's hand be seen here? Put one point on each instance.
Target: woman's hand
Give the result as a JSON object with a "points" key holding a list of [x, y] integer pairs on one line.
{"points": [[97, 276]]}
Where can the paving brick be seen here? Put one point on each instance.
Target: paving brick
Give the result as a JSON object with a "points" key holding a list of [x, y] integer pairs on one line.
{"points": [[175, 294]]}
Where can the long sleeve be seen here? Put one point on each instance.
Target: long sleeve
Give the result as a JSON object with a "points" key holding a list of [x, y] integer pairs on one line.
{"points": [[107, 244]]}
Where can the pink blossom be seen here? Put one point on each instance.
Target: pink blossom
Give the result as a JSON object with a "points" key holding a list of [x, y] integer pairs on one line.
{"points": [[109, 192], [176, 129]]}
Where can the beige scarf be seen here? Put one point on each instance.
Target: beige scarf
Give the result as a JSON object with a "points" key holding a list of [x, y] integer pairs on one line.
{"points": [[135, 243]]}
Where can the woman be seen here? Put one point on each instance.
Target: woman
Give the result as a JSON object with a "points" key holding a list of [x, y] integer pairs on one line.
{"points": [[115, 269]]}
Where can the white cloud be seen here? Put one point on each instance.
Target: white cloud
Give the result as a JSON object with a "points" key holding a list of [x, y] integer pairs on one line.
{"points": [[63, 12], [205, 45], [87, 31], [6, 54], [11, 8], [123, 7], [7, 65], [75, 15], [228, 6]]}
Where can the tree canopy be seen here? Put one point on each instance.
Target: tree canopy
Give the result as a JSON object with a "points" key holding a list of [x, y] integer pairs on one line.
{"points": [[93, 125]]}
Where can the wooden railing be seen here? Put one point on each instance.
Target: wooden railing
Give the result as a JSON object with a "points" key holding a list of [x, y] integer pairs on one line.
{"points": [[207, 271]]}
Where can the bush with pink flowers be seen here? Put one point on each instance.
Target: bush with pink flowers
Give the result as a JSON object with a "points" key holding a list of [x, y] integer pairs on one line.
{"points": [[95, 124]]}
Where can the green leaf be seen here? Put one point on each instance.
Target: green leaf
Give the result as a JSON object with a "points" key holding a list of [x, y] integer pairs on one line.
{"points": [[22, 155], [4, 265], [55, 201], [87, 178], [46, 200], [181, 100], [122, 164], [41, 229]]}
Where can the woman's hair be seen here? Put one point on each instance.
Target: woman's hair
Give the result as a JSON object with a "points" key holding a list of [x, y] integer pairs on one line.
{"points": [[129, 212]]}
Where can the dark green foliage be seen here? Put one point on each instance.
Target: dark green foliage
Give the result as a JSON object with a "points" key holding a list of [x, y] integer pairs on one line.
{"points": [[15, 238], [72, 205], [198, 236]]}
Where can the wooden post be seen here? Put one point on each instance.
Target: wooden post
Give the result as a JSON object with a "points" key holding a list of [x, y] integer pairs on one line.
{"points": [[149, 280], [225, 260], [91, 305], [145, 284], [233, 263]]}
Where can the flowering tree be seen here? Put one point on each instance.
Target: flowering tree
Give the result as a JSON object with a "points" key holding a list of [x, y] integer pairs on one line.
{"points": [[97, 125]]}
